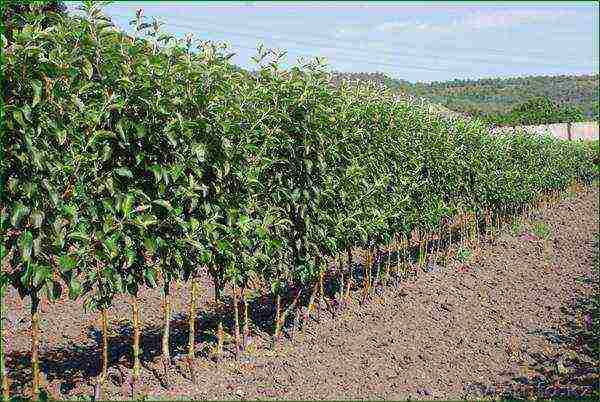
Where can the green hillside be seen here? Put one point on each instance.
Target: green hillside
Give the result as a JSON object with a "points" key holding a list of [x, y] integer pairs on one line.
{"points": [[496, 95]]}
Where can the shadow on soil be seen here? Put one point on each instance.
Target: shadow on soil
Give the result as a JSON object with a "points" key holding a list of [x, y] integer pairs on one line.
{"points": [[76, 364]]}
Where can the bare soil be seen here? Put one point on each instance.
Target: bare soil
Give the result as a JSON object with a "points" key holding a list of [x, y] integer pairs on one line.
{"points": [[506, 322]]}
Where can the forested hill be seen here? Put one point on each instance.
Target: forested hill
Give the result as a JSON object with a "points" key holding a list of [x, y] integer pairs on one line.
{"points": [[496, 95]]}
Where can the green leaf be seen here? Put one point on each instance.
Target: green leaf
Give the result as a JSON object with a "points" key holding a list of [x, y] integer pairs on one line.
{"points": [[36, 218], [123, 171], [4, 281], [130, 254], [37, 92], [119, 126], [146, 221], [79, 236], [127, 204], [41, 274], [163, 203], [88, 69], [25, 244], [149, 275], [56, 292], [74, 288], [18, 116], [67, 263], [18, 214]]}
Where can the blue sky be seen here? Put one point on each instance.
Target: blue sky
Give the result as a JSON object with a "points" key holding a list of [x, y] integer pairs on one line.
{"points": [[412, 41]]}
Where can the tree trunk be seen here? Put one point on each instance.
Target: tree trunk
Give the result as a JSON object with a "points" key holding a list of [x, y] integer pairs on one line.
{"points": [[400, 249], [192, 330], [388, 262], [349, 257], [35, 328], [167, 325], [321, 288], [3, 372], [310, 305], [104, 313], [220, 337], [246, 319], [277, 316], [218, 289], [367, 273], [342, 285], [295, 325], [321, 300], [136, 338], [192, 321], [378, 271], [237, 321]]}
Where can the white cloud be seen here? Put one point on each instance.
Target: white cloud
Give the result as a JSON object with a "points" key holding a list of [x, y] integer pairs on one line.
{"points": [[482, 20], [393, 26], [477, 21], [351, 30]]}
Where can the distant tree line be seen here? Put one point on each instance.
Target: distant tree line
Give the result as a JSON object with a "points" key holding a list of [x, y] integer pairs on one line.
{"points": [[495, 98], [538, 110]]}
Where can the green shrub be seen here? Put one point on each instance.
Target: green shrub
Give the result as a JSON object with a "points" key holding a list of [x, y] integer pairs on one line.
{"points": [[144, 160]]}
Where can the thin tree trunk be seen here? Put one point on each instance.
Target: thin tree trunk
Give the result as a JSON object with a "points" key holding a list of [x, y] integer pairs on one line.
{"points": [[400, 248], [350, 274], [310, 305], [342, 285], [104, 313], [321, 290], [136, 338], [237, 321], [220, 337], [295, 325], [246, 319], [349, 257], [218, 284], [3, 372], [367, 273], [35, 328], [388, 262], [378, 272], [292, 306], [277, 316], [321, 300], [192, 331], [166, 355], [348, 284]]}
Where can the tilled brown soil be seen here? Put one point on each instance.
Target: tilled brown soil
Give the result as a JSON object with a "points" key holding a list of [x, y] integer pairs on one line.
{"points": [[488, 327]]}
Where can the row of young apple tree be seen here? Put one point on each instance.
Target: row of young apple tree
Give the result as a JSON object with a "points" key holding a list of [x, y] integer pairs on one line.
{"points": [[141, 160]]}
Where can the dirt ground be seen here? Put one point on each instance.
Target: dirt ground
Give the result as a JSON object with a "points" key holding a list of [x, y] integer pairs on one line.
{"points": [[507, 322]]}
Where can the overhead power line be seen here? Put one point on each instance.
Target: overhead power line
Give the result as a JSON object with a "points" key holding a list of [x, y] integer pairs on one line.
{"points": [[342, 56], [406, 45]]}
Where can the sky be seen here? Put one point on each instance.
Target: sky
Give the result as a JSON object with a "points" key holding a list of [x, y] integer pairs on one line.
{"points": [[411, 41]]}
